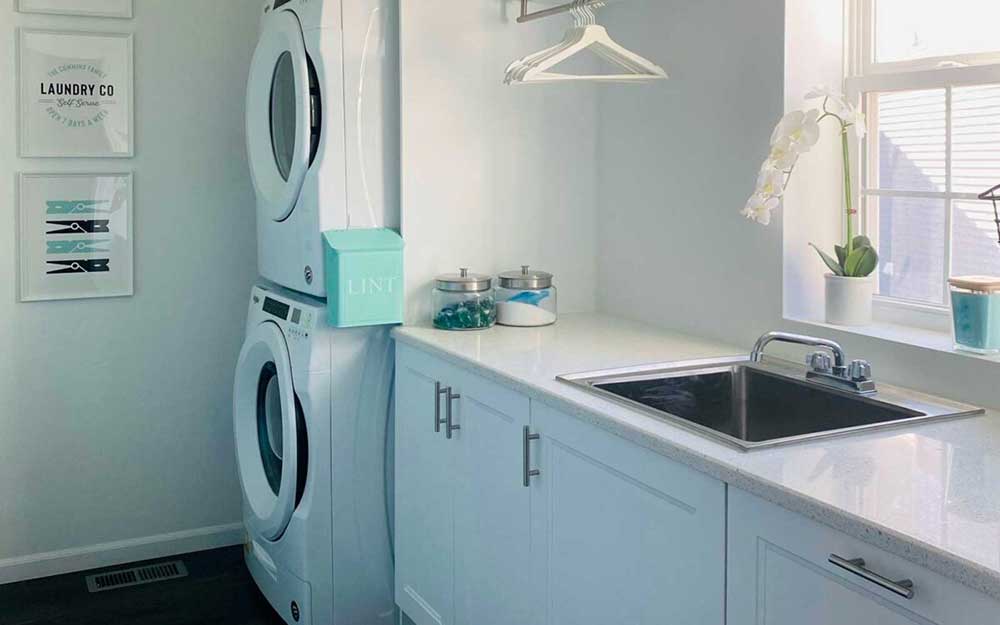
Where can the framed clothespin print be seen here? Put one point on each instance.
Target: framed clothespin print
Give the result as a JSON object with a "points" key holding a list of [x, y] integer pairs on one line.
{"points": [[74, 236]]}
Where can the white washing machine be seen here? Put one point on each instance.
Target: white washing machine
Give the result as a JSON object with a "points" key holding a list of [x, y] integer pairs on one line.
{"points": [[322, 130], [310, 409]]}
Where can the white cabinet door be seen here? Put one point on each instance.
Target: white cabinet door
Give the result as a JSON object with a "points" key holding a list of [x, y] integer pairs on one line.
{"points": [[492, 514], [622, 535], [424, 538], [780, 574]]}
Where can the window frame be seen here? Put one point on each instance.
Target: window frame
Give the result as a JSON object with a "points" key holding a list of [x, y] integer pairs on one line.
{"points": [[865, 80], [863, 42]]}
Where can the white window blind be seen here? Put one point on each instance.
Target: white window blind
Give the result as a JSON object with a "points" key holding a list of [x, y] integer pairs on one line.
{"points": [[934, 143]]}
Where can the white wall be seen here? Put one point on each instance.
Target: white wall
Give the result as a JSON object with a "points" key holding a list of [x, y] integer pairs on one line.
{"points": [[814, 203], [679, 160], [115, 414], [493, 176]]}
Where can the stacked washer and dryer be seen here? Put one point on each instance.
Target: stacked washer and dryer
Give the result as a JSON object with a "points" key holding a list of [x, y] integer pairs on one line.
{"points": [[311, 402]]}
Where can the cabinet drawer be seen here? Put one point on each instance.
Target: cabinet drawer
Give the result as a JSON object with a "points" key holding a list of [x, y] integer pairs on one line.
{"points": [[780, 573]]}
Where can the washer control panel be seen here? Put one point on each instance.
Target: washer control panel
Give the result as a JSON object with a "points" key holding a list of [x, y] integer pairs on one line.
{"points": [[296, 320]]}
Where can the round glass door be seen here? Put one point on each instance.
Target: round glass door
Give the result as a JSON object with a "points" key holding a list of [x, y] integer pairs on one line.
{"points": [[267, 421], [279, 124], [283, 115], [270, 423]]}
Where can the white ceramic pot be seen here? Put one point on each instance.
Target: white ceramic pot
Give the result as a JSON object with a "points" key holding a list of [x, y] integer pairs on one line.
{"points": [[849, 300]]}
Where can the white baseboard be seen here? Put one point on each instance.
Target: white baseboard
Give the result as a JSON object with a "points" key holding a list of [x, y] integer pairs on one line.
{"points": [[119, 552]]}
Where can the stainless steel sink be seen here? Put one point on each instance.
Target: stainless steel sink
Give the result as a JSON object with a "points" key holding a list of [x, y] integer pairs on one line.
{"points": [[765, 403]]}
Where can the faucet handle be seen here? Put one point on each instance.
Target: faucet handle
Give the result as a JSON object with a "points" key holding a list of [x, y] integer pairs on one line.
{"points": [[820, 362], [860, 370]]}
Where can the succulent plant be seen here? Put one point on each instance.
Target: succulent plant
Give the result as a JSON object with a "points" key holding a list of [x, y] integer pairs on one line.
{"points": [[857, 259]]}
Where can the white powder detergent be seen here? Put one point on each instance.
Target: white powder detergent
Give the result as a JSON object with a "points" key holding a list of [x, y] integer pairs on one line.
{"points": [[525, 315]]}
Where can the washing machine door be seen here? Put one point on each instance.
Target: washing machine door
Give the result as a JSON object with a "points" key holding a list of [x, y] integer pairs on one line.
{"points": [[280, 115], [266, 421]]}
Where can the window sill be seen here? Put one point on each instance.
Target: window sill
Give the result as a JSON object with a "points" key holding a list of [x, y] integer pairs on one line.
{"points": [[904, 335]]}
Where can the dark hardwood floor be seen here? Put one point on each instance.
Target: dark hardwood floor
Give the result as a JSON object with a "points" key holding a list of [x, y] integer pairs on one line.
{"points": [[217, 591]]}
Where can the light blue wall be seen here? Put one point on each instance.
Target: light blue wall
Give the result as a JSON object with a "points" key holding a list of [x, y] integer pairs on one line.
{"points": [[678, 160], [115, 414]]}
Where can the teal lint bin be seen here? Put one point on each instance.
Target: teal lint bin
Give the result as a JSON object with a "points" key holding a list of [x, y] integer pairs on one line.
{"points": [[364, 277]]}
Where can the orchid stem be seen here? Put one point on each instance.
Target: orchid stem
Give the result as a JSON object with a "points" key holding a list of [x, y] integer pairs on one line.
{"points": [[847, 191]]}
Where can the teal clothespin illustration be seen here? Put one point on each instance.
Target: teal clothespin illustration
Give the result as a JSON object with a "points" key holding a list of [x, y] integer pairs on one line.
{"points": [[74, 207], [92, 246]]}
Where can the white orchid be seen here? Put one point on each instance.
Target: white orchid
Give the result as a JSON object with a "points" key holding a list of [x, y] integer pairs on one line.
{"points": [[831, 96], [800, 128], [783, 155], [759, 208], [770, 181], [851, 116], [796, 134]]}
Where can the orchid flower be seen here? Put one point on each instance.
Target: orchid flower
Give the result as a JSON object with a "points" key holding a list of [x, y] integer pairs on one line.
{"points": [[851, 116], [830, 96], [771, 181], [799, 128], [796, 134], [759, 208], [783, 155]]}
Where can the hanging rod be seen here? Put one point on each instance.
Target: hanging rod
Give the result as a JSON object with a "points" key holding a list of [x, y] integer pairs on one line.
{"points": [[562, 8]]}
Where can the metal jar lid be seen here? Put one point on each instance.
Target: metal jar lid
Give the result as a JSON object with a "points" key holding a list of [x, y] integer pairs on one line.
{"points": [[464, 282], [525, 279]]}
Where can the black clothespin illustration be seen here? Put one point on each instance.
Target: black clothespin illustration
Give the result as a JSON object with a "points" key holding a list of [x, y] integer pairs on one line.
{"points": [[991, 195], [80, 226], [95, 265]]}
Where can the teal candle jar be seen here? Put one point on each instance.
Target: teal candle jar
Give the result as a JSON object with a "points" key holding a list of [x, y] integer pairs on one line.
{"points": [[975, 306]]}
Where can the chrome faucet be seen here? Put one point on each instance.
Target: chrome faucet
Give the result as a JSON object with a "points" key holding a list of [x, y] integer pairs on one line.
{"points": [[856, 377]]}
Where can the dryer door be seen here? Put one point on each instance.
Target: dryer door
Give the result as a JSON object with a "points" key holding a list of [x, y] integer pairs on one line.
{"points": [[266, 420], [280, 109]]}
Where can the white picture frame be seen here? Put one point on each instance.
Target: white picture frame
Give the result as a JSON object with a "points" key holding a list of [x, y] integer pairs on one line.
{"points": [[75, 94], [74, 236], [88, 8]]}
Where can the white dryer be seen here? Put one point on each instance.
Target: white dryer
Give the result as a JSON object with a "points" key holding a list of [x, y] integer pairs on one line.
{"points": [[310, 409], [322, 125]]}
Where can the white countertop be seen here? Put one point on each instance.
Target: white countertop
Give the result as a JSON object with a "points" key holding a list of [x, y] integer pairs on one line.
{"points": [[929, 493]]}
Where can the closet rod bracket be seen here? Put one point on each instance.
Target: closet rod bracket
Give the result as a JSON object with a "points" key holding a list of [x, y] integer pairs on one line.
{"points": [[562, 8]]}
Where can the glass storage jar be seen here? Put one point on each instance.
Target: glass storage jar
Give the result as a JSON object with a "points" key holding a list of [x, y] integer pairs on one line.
{"points": [[464, 301], [526, 298], [975, 308]]}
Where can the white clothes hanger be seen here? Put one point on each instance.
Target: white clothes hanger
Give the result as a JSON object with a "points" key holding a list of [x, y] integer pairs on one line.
{"points": [[585, 35], [515, 71], [583, 16]]}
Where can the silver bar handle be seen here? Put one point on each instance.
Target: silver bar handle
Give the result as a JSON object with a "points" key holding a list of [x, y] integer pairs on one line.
{"points": [[438, 392], [903, 587], [449, 398], [526, 456]]}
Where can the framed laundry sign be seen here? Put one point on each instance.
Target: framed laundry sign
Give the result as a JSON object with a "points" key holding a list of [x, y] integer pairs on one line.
{"points": [[75, 94], [74, 236], [89, 8]]}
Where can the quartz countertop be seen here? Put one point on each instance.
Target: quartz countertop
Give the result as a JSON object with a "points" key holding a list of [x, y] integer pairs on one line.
{"points": [[929, 493]]}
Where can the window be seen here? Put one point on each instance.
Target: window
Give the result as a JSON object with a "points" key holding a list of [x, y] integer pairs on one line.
{"points": [[928, 77], [952, 30]]}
